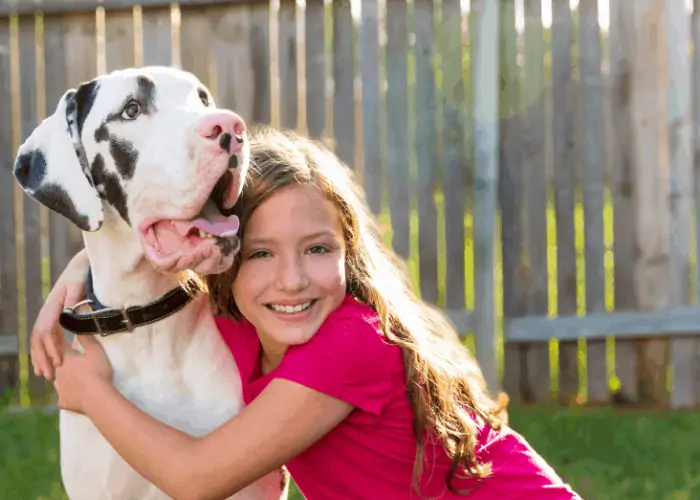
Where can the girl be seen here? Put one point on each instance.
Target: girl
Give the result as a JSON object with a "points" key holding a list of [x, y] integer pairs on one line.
{"points": [[360, 388]]}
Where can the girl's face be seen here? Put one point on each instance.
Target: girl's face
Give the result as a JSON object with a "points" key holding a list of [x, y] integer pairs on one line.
{"points": [[292, 272]]}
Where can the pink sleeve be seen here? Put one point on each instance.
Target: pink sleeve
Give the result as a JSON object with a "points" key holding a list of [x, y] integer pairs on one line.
{"points": [[519, 472], [348, 359]]}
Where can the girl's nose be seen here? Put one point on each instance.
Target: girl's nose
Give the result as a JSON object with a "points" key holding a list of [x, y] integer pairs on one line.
{"points": [[292, 275]]}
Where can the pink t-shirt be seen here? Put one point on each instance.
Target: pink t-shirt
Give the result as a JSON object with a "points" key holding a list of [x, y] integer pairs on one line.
{"points": [[370, 454]]}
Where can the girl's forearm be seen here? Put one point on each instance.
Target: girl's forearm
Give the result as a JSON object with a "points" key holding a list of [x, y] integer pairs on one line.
{"points": [[157, 451]]}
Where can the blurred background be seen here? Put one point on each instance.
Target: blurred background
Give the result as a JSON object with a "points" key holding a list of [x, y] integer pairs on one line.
{"points": [[534, 161]]}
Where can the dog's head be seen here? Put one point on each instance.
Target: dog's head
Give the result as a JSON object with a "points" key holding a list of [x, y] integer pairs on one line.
{"points": [[146, 153]]}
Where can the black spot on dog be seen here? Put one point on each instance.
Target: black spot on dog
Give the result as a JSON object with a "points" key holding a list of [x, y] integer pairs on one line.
{"points": [[111, 191], [225, 142], [84, 98], [146, 94], [233, 162], [124, 155], [228, 245], [30, 169], [56, 198], [102, 133]]}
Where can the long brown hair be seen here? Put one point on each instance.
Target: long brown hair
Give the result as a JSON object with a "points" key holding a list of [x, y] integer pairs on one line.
{"points": [[444, 382]]}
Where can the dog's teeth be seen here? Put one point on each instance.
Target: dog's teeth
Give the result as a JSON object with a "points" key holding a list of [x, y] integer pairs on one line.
{"points": [[202, 234]]}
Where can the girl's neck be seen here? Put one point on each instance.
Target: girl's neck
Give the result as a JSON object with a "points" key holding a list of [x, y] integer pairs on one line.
{"points": [[271, 354]]}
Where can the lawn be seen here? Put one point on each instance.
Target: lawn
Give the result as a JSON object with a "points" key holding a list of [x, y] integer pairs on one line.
{"points": [[603, 453]]}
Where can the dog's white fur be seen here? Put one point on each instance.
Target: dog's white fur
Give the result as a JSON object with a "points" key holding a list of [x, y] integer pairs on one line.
{"points": [[178, 369]]}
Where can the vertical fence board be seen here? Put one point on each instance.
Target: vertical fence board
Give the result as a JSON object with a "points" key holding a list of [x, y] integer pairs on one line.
{"points": [[652, 188], [453, 161], [485, 84], [682, 351], [426, 148], [119, 42], [71, 58], [592, 183], [564, 187], [371, 104], [234, 80], [314, 22], [397, 125], [343, 78], [31, 238], [196, 33], [157, 36], [9, 370], [533, 143], [695, 22], [510, 200], [626, 355], [287, 57], [259, 42]]}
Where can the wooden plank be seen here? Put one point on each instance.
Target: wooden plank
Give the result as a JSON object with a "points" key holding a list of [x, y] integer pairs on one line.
{"points": [[651, 185], [621, 158], [82, 6], [592, 183], [683, 352], [196, 34], [119, 40], [695, 30], [564, 187], [287, 60], [371, 105], [510, 200], [71, 58], [9, 321], [397, 132], [31, 247], [453, 161], [157, 36], [315, 40], [677, 321], [259, 42], [343, 78], [426, 147], [226, 52], [535, 183], [485, 83]]}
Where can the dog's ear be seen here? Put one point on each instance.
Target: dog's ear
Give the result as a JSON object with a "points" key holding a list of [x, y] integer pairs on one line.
{"points": [[48, 167]]}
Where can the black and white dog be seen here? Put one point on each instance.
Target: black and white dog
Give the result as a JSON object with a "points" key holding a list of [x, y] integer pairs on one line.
{"points": [[147, 167]]}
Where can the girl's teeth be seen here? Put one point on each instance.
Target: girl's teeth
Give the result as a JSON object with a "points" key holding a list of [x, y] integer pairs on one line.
{"points": [[291, 309]]}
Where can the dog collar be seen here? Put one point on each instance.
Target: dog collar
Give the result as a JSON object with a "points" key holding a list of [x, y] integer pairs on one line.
{"points": [[105, 321]]}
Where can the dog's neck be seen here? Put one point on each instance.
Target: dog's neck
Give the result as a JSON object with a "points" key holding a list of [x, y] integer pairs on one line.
{"points": [[121, 275]]}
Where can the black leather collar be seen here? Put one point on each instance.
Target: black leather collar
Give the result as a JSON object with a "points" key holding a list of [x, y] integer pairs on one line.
{"points": [[103, 320]]}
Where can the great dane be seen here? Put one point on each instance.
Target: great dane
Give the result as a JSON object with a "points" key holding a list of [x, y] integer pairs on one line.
{"points": [[147, 167]]}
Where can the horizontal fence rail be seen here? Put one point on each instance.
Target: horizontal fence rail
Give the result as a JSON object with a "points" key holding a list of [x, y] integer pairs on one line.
{"points": [[534, 165]]}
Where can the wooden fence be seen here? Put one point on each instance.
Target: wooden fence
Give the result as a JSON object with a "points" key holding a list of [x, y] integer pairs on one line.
{"points": [[535, 167]]}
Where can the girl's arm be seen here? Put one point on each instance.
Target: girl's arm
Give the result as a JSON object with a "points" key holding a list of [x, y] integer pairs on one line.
{"points": [[281, 423]]}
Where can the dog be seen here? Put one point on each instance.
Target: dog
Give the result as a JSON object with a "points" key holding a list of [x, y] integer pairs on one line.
{"points": [[146, 165]]}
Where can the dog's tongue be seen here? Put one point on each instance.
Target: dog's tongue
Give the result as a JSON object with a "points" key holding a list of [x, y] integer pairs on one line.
{"points": [[211, 221]]}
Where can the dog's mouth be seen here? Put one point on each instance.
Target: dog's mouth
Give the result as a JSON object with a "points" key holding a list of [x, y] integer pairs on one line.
{"points": [[213, 226]]}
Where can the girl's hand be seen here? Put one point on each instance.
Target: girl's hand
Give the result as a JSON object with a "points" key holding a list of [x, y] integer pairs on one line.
{"points": [[47, 338], [82, 375]]}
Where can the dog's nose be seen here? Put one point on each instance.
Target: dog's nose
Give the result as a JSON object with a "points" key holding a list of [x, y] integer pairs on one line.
{"points": [[225, 129]]}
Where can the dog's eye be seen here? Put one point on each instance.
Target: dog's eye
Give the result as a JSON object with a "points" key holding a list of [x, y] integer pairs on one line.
{"points": [[204, 98], [131, 110]]}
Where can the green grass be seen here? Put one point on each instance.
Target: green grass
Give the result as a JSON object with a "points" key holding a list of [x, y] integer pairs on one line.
{"points": [[603, 453]]}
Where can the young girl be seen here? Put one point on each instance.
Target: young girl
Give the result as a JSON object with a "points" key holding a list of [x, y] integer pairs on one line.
{"points": [[362, 390]]}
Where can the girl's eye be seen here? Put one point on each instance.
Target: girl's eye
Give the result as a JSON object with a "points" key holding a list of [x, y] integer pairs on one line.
{"points": [[318, 249], [258, 254]]}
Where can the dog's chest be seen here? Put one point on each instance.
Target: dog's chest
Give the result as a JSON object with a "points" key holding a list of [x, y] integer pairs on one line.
{"points": [[185, 377]]}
